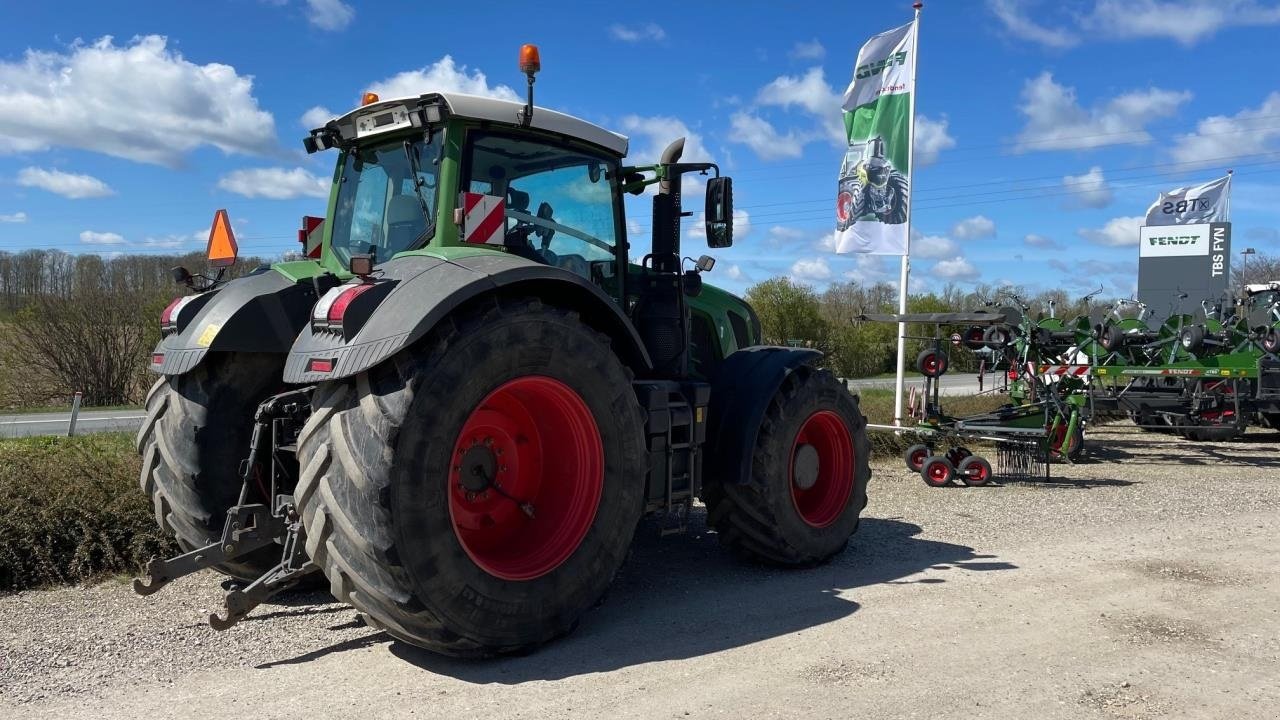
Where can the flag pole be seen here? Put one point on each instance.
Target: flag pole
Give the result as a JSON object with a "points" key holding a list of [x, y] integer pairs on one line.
{"points": [[905, 270]]}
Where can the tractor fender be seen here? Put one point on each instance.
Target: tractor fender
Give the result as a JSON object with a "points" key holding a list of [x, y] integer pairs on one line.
{"points": [[744, 386], [418, 291], [260, 312]]}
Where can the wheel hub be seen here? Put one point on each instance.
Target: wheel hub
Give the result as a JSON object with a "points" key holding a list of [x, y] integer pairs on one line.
{"points": [[805, 469], [479, 467]]}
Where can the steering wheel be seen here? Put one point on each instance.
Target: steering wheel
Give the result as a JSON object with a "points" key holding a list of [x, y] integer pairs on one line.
{"points": [[544, 232]]}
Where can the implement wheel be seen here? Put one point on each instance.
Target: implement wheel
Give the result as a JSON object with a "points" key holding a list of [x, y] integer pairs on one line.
{"points": [[974, 471], [476, 494], [194, 436], [937, 471], [915, 455], [931, 363], [807, 479]]}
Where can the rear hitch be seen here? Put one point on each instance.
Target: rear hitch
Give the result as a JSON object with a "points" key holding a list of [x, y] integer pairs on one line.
{"points": [[249, 527]]}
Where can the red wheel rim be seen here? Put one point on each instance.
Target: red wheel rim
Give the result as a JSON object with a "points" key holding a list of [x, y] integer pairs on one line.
{"points": [[917, 459], [978, 473], [821, 504], [843, 201], [526, 476], [930, 364], [937, 472]]}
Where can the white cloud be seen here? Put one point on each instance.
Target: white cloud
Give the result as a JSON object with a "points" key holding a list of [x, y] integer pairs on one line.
{"points": [[174, 241], [70, 185], [931, 139], [275, 183], [871, 269], [763, 138], [1088, 190], [658, 132], [441, 76], [811, 93], [811, 270], [737, 274], [1185, 21], [1011, 14], [828, 242], [933, 246], [956, 268], [1248, 132], [330, 14], [316, 117], [1118, 232], [639, 33], [1056, 120], [18, 217], [811, 50], [1040, 241], [974, 228], [101, 238], [142, 102], [782, 235]]}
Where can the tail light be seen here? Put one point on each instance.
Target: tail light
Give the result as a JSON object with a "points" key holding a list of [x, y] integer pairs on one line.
{"points": [[169, 316], [328, 314]]}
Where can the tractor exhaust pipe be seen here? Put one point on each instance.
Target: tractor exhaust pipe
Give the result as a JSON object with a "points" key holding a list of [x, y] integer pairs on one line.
{"points": [[670, 156]]}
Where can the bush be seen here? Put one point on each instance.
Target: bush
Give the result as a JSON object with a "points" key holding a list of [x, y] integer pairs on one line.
{"points": [[70, 511]]}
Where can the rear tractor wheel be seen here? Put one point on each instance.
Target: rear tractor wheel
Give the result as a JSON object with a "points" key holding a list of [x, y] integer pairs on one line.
{"points": [[192, 440], [471, 499], [807, 481]]}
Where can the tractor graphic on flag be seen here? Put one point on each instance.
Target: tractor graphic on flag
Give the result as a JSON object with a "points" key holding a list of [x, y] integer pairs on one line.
{"points": [[870, 186]]}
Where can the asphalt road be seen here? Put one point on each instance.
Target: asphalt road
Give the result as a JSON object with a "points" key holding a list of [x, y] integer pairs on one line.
{"points": [[90, 421], [952, 384]]}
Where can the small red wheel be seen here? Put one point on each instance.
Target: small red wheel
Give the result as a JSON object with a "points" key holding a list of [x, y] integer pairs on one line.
{"points": [[931, 363], [974, 471], [914, 456], [937, 471]]}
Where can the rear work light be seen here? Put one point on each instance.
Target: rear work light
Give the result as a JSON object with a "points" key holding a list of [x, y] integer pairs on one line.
{"points": [[320, 365], [169, 317], [329, 312]]}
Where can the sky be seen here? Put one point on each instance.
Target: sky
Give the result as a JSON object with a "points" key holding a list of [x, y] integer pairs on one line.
{"points": [[1044, 129]]}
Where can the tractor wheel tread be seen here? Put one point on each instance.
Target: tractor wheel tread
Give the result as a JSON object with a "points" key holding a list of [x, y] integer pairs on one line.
{"points": [[755, 519], [352, 512]]}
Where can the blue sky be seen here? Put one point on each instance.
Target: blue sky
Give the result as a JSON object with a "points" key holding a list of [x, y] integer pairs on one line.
{"points": [[1045, 128]]}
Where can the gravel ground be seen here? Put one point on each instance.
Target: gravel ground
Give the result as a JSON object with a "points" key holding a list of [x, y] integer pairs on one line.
{"points": [[1140, 584]]}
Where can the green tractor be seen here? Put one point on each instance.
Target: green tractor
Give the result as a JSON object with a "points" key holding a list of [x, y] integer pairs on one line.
{"points": [[458, 408]]}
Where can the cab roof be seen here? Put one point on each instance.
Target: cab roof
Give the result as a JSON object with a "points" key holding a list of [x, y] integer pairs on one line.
{"points": [[499, 111]]}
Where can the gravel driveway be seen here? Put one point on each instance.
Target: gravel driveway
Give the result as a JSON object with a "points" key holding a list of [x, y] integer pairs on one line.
{"points": [[1143, 584]]}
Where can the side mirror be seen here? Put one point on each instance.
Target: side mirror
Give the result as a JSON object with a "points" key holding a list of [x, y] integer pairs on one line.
{"points": [[720, 212]]}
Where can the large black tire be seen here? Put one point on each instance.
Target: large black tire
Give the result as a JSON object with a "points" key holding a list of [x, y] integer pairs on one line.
{"points": [[195, 434], [761, 518], [376, 459], [897, 212]]}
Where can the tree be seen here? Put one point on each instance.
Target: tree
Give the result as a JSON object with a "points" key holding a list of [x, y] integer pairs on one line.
{"points": [[789, 313]]}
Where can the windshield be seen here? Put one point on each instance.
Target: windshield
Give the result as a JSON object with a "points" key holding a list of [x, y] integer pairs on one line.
{"points": [[386, 199]]}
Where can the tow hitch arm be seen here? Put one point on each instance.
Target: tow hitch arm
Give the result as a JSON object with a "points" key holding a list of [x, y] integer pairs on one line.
{"points": [[252, 526]]}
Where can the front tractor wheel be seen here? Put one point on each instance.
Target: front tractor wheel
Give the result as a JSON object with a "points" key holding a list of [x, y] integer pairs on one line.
{"points": [[807, 483], [476, 494]]}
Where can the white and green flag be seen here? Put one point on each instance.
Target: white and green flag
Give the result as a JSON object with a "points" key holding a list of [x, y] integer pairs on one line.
{"points": [[874, 187]]}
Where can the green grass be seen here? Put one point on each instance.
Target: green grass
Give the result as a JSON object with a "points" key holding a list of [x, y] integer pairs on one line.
{"points": [[71, 511]]}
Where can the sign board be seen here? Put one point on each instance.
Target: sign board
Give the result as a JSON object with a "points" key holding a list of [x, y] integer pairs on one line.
{"points": [[1177, 259]]}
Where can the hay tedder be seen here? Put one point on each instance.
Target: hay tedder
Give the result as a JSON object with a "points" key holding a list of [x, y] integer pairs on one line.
{"points": [[457, 408]]}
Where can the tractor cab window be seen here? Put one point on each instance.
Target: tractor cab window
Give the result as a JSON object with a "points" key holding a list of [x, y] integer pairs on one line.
{"points": [[560, 206], [386, 199]]}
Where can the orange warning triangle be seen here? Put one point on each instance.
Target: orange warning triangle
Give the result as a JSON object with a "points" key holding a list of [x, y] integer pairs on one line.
{"points": [[222, 242]]}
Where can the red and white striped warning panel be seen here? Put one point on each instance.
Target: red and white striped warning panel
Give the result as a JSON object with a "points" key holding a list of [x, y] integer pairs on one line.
{"points": [[483, 219], [312, 236], [1065, 370]]}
